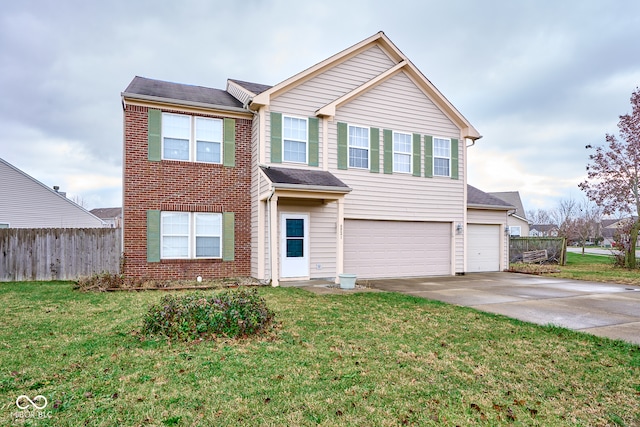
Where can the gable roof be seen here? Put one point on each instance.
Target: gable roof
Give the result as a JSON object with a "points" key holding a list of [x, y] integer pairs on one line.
{"points": [[145, 89], [254, 88], [512, 198], [27, 196], [107, 213], [479, 199], [403, 64], [304, 179]]}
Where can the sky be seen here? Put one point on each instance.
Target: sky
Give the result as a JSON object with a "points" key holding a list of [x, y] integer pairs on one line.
{"points": [[538, 79]]}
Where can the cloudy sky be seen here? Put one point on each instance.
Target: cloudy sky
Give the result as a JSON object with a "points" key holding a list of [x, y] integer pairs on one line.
{"points": [[539, 79]]}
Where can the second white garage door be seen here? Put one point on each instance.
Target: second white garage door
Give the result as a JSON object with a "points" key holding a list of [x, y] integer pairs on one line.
{"points": [[483, 248], [374, 249]]}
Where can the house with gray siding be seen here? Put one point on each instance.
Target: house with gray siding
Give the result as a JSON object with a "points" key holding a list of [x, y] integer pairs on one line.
{"points": [[28, 203], [358, 165]]}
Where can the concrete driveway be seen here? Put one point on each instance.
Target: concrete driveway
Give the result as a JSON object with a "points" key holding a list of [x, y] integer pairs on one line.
{"points": [[603, 309]]}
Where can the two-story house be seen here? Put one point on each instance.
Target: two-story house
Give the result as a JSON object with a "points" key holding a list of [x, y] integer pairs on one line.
{"points": [[355, 165]]}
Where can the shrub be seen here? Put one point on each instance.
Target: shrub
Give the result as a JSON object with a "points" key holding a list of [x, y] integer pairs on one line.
{"points": [[231, 313]]}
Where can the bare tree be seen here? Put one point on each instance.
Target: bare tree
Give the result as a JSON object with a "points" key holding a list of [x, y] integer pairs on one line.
{"points": [[539, 216], [586, 224], [612, 176], [563, 217]]}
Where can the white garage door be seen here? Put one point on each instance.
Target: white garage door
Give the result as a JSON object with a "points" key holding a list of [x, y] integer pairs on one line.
{"points": [[374, 249], [483, 248]]}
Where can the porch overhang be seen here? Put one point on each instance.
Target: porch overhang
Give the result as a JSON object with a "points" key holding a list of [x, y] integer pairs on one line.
{"points": [[304, 183], [301, 184]]}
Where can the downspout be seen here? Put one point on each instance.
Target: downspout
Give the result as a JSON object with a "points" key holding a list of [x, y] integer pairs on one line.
{"points": [[273, 191]]}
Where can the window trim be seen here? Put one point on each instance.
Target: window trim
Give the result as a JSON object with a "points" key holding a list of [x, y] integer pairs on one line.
{"points": [[406, 153], [193, 142], [440, 157], [191, 248], [349, 146], [306, 141]]}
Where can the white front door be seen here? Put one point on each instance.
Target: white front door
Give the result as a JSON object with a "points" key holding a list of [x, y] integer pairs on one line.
{"points": [[294, 247]]}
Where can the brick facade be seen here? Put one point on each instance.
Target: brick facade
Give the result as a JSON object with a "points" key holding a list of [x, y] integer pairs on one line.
{"points": [[183, 186]]}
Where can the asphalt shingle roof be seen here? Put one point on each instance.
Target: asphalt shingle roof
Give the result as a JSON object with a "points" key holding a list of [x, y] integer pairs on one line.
{"points": [[480, 198], [311, 178], [255, 88], [181, 92]]}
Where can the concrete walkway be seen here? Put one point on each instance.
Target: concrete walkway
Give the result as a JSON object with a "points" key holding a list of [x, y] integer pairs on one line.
{"points": [[603, 309]]}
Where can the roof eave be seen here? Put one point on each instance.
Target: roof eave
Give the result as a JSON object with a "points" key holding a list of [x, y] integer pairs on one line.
{"points": [[489, 207], [164, 100], [311, 188]]}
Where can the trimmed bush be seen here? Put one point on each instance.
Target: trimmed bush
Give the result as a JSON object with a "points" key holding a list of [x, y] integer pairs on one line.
{"points": [[231, 313]]}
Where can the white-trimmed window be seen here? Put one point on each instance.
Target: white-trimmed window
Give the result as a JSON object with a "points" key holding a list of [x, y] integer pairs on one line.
{"points": [[441, 157], [515, 230], [187, 235], [294, 132], [358, 147], [402, 147], [191, 138]]}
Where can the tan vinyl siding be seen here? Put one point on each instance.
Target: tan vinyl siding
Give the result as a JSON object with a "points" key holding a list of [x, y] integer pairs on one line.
{"points": [[27, 203], [305, 99], [481, 216], [322, 234]]}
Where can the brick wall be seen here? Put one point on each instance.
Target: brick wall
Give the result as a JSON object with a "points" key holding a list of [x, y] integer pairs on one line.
{"points": [[187, 186]]}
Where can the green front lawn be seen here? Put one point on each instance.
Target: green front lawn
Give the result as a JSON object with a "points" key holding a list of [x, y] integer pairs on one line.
{"points": [[596, 268], [366, 359]]}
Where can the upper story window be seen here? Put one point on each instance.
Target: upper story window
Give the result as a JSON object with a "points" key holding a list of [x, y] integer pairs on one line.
{"points": [[187, 235], [441, 157], [191, 138], [294, 133], [358, 147], [402, 151]]}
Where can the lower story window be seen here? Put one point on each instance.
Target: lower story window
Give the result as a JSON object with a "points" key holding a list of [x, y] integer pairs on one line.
{"points": [[191, 235]]}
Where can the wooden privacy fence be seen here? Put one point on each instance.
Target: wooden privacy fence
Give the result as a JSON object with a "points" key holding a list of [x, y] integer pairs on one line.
{"points": [[529, 249], [58, 253]]}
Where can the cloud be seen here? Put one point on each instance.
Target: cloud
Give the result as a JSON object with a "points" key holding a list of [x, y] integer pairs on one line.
{"points": [[539, 81]]}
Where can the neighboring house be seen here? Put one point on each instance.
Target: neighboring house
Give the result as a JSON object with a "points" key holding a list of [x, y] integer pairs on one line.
{"points": [[28, 203], [518, 223], [112, 217], [543, 230], [487, 232], [355, 165]]}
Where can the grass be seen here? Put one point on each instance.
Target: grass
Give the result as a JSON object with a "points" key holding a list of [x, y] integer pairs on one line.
{"points": [[358, 359], [596, 268]]}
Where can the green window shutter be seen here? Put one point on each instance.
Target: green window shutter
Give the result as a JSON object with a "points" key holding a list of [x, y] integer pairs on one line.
{"points": [[276, 138], [387, 141], [153, 236], [229, 143], [454, 158], [154, 130], [342, 146], [374, 144], [314, 141], [428, 156], [416, 154], [228, 236]]}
